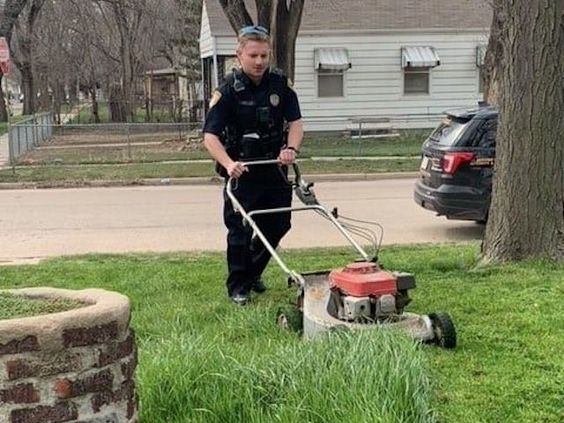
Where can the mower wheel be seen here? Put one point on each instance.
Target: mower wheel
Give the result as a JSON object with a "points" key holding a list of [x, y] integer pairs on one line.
{"points": [[443, 327], [290, 318]]}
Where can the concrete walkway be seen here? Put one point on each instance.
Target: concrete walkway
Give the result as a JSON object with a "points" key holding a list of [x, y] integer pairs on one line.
{"points": [[4, 151]]}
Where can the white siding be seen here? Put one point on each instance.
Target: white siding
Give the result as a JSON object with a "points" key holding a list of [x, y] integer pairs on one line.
{"points": [[206, 39], [374, 84]]}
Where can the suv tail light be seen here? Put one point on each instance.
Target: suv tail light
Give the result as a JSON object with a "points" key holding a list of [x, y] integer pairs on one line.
{"points": [[451, 162]]}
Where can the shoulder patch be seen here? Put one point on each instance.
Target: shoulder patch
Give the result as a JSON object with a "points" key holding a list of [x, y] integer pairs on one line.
{"points": [[215, 98]]}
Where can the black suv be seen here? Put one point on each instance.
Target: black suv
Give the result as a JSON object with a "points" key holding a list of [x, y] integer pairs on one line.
{"points": [[457, 165]]}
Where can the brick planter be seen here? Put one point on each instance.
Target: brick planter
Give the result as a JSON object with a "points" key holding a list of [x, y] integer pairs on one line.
{"points": [[74, 366]]}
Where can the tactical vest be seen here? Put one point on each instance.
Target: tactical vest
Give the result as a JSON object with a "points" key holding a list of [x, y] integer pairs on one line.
{"points": [[258, 128]]}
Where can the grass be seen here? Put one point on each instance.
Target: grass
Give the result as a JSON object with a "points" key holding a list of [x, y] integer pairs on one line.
{"points": [[71, 165], [407, 144], [16, 306], [205, 360], [130, 173], [13, 119]]}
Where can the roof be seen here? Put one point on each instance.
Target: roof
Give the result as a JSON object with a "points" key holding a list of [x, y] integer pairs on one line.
{"points": [[373, 15], [166, 71], [481, 112]]}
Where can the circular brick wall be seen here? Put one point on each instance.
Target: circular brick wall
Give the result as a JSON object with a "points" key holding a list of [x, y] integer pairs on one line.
{"points": [[75, 366]]}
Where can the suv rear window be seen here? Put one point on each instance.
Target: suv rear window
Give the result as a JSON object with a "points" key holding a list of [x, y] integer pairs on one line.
{"points": [[449, 131]]}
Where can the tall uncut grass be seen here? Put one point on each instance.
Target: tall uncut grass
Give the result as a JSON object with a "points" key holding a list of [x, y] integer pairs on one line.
{"points": [[371, 376]]}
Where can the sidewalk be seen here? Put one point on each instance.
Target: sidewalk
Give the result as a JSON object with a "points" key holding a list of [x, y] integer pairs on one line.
{"points": [[4, 151]]}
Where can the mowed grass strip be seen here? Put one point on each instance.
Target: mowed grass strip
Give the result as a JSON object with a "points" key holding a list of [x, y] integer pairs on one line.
{"points": [[17, 306], [112, 148], [203, 359], [130, 173]]}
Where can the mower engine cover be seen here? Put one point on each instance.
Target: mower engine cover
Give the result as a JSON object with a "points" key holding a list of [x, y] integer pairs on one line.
{"points": [[363, 279]]}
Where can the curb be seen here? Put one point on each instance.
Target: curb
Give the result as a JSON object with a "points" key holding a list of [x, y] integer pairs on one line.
{"points": [[206, 180]]}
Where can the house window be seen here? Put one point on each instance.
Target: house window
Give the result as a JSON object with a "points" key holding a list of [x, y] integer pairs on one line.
{"points": [[331, 65], [417, 63], [416, 81], [330, 83]]}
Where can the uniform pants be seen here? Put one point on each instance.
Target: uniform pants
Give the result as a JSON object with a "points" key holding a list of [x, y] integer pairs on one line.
{"points": [[247, 256]]}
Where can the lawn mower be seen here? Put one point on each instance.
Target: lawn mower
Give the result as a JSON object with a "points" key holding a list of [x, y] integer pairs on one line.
{"points": [[361, 295]]}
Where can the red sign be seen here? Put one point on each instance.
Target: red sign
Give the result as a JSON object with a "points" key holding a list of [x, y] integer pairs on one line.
{"points": [[4, 50], [4, 56]]}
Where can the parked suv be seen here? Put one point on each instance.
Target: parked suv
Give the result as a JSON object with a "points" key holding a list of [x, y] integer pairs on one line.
{"points": [[457, 165]]}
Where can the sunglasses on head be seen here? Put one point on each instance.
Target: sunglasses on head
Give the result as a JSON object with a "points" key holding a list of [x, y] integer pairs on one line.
{"points": [[254, 30]]}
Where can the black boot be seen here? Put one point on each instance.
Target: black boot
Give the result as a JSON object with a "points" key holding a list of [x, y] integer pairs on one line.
{"points": [[258, 286]]}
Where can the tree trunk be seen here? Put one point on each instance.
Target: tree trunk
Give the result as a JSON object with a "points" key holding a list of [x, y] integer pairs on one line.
{"points": [[236, 13], [8, 17], [95, 112], [126, 61], [526, 215], [264, 13], [23, 54], [287, 22], [73, 91], [283, 21], [494, 57], [28, 88], [118, 113], [3, 108]]}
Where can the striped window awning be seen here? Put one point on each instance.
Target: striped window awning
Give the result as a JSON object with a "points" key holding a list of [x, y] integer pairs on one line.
{"points": [[332, 59], [419, 57], [481, 55]]}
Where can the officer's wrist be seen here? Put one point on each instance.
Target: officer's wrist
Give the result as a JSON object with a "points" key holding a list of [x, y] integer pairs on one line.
{"points": [[294, 149]]}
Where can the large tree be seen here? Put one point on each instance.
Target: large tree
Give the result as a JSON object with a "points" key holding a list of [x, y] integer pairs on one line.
{"points": [[281, 17], [9, 13], [23, 52], [494, 56], [526, 215]]}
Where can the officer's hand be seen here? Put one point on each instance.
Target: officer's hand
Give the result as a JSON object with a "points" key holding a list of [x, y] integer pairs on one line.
{"points": [[287, 156], [236, 169]]}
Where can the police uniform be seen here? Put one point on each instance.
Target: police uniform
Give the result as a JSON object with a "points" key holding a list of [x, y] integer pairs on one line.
{"points": [[249, 119]]}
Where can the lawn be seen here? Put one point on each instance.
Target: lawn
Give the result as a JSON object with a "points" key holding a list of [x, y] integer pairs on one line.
{"points": [[203, 359], [56, 175], [79, 156]]}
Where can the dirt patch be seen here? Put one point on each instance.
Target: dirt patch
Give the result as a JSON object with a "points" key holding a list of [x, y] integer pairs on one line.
{"points": [[108, 148]]}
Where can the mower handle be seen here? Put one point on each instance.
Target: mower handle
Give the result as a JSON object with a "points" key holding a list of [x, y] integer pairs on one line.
{"points": [[301, 184]]}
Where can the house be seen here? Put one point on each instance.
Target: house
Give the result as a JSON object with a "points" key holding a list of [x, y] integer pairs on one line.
{"points": [[164, 85], [398, 61], [170, 88]]}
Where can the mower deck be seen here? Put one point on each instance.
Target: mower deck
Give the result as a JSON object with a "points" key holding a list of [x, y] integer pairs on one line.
{"points": [[318, 319]]}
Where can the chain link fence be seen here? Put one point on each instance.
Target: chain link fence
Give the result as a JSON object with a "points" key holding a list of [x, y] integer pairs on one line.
{"points": [[104, 143], [29, 133], [39, 141]]}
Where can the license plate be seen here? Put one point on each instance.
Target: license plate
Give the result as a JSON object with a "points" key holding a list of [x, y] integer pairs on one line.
{"points": [[424, 163]]}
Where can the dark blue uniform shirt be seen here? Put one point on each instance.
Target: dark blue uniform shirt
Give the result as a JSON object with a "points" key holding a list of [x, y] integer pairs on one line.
{"points": [[224, 103]]}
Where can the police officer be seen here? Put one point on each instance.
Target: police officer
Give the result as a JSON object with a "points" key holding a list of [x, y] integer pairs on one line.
{"points": [[246, 121]]}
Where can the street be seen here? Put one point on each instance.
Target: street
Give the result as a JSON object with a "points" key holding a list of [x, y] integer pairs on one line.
{"points": [[43, 223]]}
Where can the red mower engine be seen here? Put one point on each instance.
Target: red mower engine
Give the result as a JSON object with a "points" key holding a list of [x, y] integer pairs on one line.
{"points": [[364, 293]]}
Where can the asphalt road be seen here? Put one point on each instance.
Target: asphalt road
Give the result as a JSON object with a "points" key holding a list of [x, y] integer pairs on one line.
{"points": [[43, 223]]}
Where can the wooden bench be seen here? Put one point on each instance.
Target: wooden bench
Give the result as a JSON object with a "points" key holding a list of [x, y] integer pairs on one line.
{"points": [[381, 125]]}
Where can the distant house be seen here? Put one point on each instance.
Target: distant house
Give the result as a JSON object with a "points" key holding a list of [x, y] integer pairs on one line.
{"points": [[169, 87], [371, 60], [162, 85]]}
